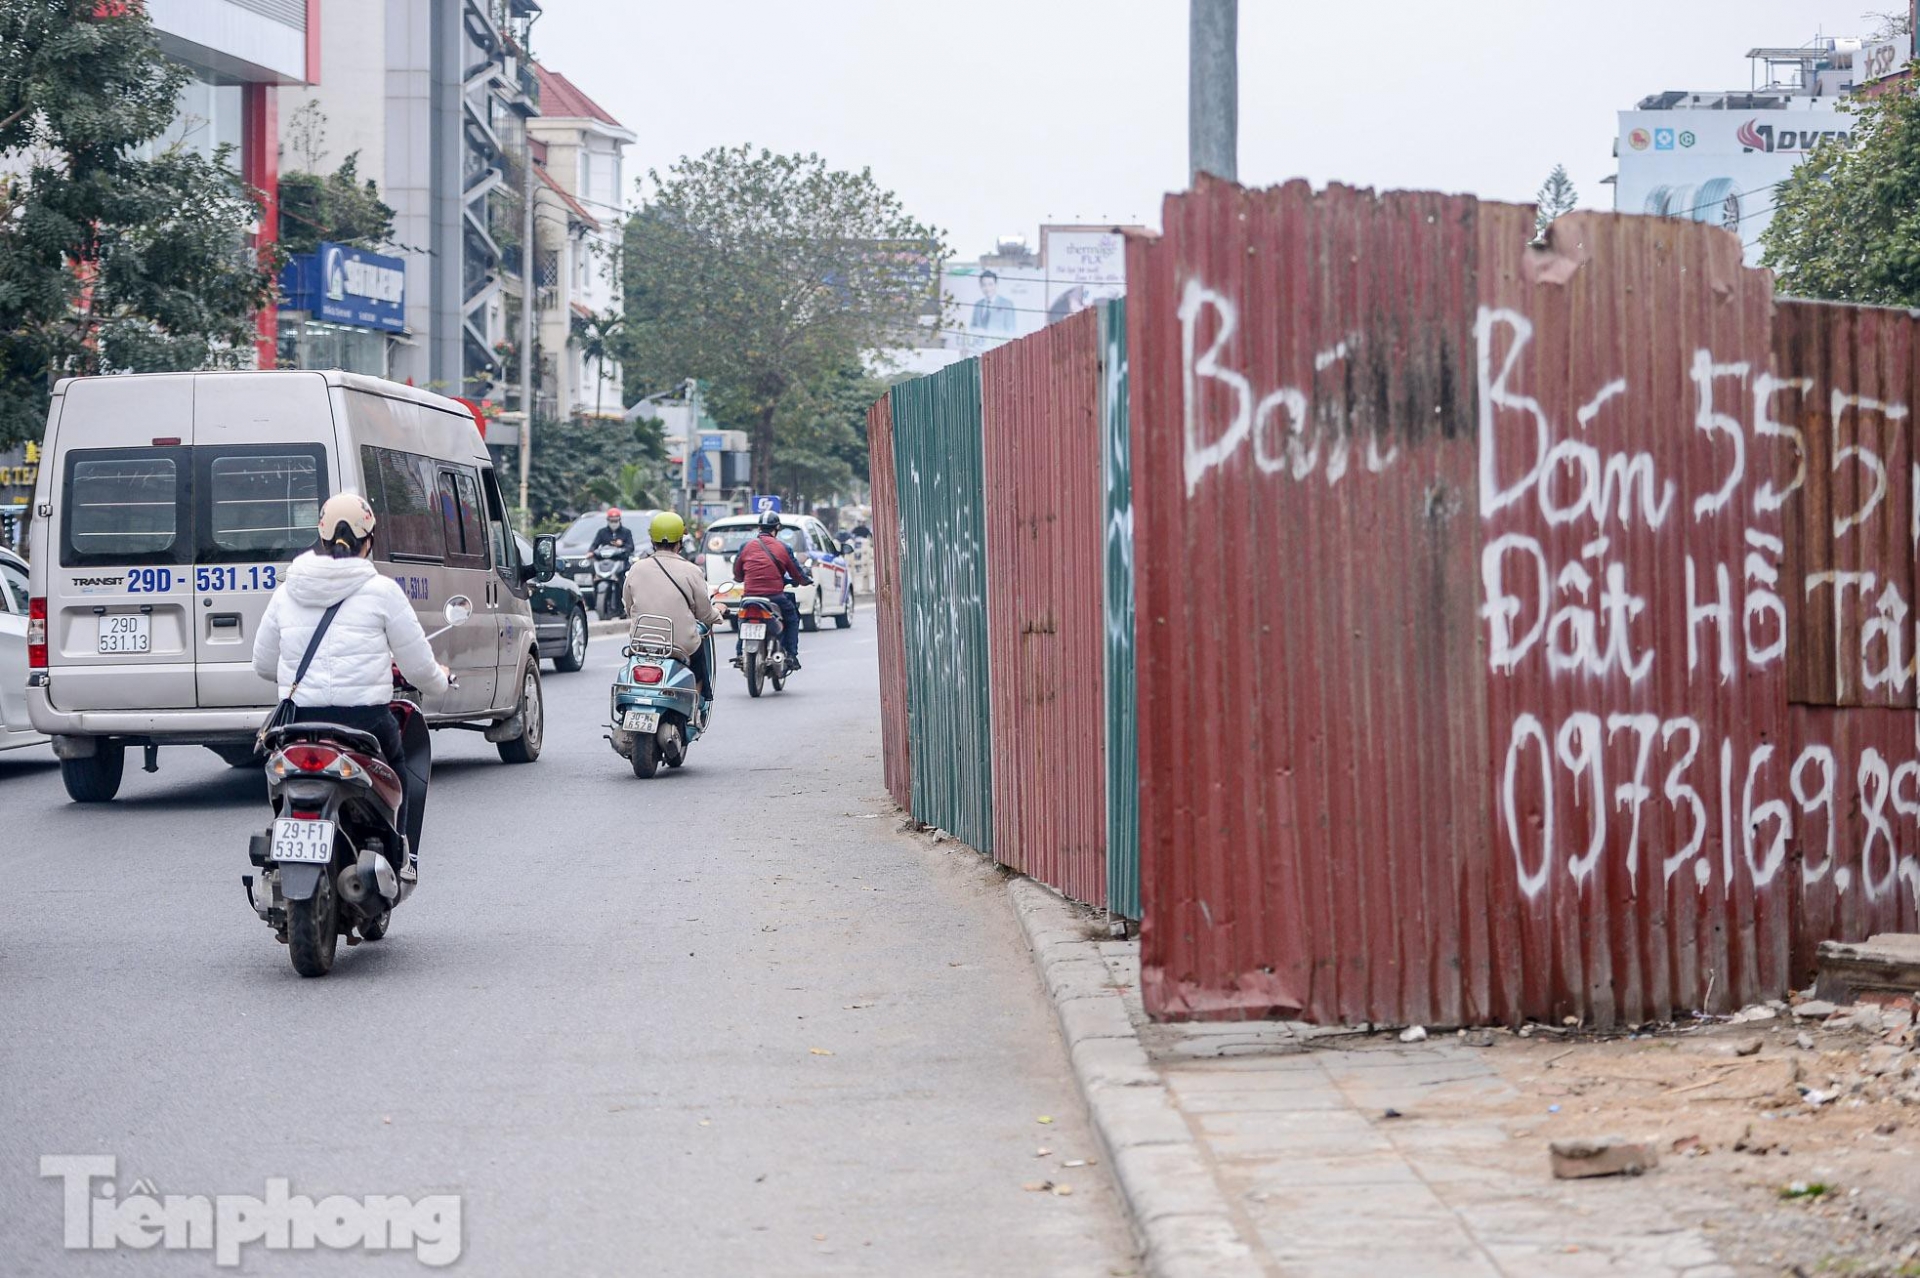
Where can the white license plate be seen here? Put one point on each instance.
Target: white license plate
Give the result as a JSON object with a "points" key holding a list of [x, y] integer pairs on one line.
{"points": [[753, 630], [126, 633], [583, 579], [301, 839], [641, 721]]}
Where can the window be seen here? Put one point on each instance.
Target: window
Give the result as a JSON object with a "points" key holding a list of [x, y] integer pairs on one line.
{"points": [[258, 504], [460, 519], [400, 489], [13, 588], [729, 540], [125, 506], [498, 530]]}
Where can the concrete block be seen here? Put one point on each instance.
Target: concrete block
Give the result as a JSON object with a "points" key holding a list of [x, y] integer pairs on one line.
{"points": [[1159, 1181], [1130, 1116], [1115, 1062], [1094, 1018], [1605, 1156]]}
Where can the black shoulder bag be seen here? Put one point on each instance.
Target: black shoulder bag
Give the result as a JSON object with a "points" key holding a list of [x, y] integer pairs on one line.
{"points": [[283, 713]]}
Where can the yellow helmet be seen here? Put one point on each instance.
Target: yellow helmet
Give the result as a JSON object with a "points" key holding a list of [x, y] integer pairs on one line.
{"points": [[667, 529]]}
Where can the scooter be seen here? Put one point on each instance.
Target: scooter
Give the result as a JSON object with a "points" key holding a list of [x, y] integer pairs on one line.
{"points": [[609, 567], [334, 861], [657, 712], [763, 658]]}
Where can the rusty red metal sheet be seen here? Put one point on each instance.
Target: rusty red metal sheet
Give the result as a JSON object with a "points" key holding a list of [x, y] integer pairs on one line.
{"points": [[895, 744], [1045, 617], [1505, 639]]}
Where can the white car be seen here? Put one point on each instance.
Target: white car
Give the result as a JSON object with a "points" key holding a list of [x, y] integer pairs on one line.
{"points": [[14, 728], [819, 552]]}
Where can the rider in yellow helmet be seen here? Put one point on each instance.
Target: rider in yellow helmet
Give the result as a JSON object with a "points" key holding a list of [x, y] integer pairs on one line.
{"points": [[666, 585]]}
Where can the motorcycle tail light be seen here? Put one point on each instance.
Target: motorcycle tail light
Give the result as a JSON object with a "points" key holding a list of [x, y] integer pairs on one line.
{"points": [[308, 758], [756, 613], [648, 674], [37, 634]]}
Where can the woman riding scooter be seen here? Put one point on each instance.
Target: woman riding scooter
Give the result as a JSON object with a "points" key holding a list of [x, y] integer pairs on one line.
{"points": [[350, 678]]}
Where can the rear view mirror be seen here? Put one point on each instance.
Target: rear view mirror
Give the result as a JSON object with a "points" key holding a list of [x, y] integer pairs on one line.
{"points": [[546, 556], [458, 609]]}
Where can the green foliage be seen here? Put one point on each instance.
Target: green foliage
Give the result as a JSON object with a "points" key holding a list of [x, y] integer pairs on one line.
{"points": [[1846, 225], [1556, 199], [578, 465], [337, 207], [764, 275], [111, 259], [599, 340], [820, 443]]}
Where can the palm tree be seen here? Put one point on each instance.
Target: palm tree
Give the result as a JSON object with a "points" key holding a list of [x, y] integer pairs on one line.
{"points": [[597, 335]]}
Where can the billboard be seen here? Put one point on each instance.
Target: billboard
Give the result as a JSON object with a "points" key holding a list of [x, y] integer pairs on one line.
{"points": [[1085, 265], [986, 306], [1718, 167], [347, 285]]}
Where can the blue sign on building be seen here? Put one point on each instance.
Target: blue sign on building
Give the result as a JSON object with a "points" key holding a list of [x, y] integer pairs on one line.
{"points": [[348, 286], [764, 503]]}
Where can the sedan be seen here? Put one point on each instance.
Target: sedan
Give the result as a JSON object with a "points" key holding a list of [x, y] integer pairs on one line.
{"points": [[559, 617], [14, 728]]}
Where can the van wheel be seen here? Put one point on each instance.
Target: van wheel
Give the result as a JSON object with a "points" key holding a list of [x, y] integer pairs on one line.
{"points": [[95, 779], [574, 655], [525, 748]]}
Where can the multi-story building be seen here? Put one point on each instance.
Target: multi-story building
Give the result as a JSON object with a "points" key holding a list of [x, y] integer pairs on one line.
{"points": [[579, 152], [433, 97], [1717, 156], [239, 54]]}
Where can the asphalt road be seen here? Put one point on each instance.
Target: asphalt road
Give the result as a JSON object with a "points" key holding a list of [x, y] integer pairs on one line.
{"points": [[726, 1021]]}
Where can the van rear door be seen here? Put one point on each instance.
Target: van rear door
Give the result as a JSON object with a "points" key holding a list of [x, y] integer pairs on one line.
{"points": [[119, 584], [261, 470]]}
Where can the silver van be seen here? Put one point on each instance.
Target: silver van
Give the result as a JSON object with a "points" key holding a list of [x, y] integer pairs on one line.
{"points": [[168, 505]]}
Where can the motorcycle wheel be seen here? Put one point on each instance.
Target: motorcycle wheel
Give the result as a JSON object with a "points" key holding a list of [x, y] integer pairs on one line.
{"points": [[779, 681], [646, 757], [752, 664], [313, 929]]}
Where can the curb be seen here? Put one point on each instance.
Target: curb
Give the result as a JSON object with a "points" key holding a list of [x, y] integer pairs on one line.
{"points": [[1180, 1217], [610, 627]]}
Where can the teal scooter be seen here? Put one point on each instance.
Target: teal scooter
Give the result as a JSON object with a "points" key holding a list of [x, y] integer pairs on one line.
{"points": [[657, 712]]}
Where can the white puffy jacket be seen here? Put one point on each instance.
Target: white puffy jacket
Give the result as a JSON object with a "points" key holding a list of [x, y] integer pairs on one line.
{"points": [[374, 630]]}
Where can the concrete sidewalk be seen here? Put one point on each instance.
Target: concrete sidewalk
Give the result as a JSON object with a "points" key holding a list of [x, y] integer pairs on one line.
{"points": [[1270, 1148]]}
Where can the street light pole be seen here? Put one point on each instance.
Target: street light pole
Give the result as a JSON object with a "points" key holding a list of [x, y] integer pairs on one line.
{"points": [[1213, 88], [529, 281], [690, 445]]}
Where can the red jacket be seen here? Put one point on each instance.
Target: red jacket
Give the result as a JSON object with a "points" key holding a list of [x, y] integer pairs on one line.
{"points": [[766, 565]]}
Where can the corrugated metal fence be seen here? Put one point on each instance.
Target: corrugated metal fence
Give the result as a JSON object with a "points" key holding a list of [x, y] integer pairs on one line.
{"points": [[940, 477], [1527, 630], [1116, 469], [888, 543], [1041, 425]]}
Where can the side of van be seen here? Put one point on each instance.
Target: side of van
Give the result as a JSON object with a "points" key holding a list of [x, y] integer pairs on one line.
{"points": [[167, 508]]}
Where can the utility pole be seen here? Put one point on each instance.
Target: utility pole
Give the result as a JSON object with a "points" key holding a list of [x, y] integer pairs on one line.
{"points": [[1213, 88], [691, 447], [529, 291]]}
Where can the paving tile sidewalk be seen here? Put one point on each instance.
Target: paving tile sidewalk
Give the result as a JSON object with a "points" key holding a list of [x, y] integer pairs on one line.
{"points": [[1265, 1148]]}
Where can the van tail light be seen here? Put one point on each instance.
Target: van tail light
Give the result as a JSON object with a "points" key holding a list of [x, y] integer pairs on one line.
{"points": [[37, 634], [648, 674]]}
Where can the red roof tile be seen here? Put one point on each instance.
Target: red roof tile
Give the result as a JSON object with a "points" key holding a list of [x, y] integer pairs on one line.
{"points": [[561, 97]]}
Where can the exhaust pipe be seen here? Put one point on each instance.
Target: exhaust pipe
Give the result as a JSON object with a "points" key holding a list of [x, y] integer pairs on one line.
{"points": [[369, 875]]}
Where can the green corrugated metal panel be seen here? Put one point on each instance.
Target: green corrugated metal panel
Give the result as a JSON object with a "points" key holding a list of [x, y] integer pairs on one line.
{"points": [[940, 476], [1123, 762]]}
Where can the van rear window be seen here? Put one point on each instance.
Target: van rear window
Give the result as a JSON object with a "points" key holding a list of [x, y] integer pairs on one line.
{"points": [[259, 503], [126, 506]]}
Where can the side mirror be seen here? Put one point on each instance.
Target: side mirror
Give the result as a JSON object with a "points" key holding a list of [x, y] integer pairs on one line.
{"points": [[458, 609], [846, 545], [546, 556]]}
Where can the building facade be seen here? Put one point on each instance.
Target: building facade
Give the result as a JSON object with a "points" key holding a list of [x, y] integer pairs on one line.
{"points": [[579, 159]]}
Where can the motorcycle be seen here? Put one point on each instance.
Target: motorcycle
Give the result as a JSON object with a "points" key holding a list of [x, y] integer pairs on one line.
{"points": [[657, 712], [763, 658], [331, 861], [609, 570]]}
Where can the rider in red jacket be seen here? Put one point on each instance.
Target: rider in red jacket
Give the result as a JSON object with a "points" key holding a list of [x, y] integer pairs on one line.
{"points": [[765, 565]]}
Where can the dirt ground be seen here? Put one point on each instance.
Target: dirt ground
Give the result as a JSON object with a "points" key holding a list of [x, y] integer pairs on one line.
{"points": [[1791, 1137]]}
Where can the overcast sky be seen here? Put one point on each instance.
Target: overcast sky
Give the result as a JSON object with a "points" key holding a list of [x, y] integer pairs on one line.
{"points": [[989, 117]]}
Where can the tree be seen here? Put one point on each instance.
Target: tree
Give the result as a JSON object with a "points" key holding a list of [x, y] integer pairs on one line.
{"points": [[761, 274], [337, 207], [114, 255], [1846, 223], [577, 465], [1556, 198], [599, 338], [821, 444]]}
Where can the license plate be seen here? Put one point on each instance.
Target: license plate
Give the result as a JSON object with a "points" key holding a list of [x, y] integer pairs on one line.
{"points": [[300, 839], [641, 721], [127, 633], [753, 630]]}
